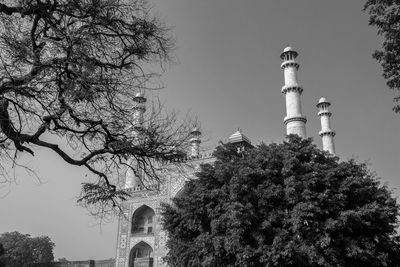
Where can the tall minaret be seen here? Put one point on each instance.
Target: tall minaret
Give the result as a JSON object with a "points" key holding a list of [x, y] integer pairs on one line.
{"points": [[138, 110], [131, 180], [195, 143], [326, 132], [295, 122]]}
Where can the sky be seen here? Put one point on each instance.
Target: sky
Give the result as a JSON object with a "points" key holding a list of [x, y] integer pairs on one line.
{"points": [[227, 73]]}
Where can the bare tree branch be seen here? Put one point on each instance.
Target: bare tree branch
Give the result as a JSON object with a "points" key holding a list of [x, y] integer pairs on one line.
{"points": [[69, 73]]}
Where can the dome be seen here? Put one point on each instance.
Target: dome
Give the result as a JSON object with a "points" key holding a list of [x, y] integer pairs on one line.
{"points": [[287, 49], [238, 136], [139, 94], [322, 100]]}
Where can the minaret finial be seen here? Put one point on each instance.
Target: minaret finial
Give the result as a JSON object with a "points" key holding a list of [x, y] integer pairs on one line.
{"points": [[326, 132], [295, 121]]}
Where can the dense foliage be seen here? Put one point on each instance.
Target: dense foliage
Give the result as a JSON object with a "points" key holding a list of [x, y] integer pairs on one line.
{"points": [[385, 15], [22, 250], [287, 204], [1, 254]]}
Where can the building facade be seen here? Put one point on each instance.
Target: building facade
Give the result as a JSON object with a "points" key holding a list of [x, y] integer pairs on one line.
{"points": [[141, 240]]}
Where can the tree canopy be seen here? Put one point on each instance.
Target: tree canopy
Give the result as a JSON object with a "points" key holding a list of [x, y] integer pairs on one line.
{"points": [[71, 72], [287, 204], [385, 15], [22, 250], [1, 254]]}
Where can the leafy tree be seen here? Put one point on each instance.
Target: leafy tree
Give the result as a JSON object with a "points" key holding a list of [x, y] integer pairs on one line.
{"points": [[23, 250], [385, 15], [42, 248], [1, 254], [287, 204], [70, 75]]}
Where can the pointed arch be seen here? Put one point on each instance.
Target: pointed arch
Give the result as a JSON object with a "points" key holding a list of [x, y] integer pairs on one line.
{"points": [[141, 255], [180, 192], [143, 221]]}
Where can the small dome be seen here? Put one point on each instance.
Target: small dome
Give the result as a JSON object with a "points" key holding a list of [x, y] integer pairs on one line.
{"points": [[322, 100], [287, 49], [323, 103], [139, 94], [238, 136]]}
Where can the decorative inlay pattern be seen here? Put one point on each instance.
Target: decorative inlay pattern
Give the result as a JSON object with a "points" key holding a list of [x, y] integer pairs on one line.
{"points": [[162, 239], [123, 241]]}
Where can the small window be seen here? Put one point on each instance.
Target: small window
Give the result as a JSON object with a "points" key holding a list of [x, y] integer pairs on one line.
{"points": [[149, 230], [150, 219]]}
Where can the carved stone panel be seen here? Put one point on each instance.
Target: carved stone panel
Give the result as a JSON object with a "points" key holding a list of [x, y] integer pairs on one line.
{"points": [[123, 241]]}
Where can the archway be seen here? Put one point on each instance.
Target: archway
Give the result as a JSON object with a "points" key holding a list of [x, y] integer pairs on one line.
{"points": [[180, 192], [141, 255], [143, 221]]}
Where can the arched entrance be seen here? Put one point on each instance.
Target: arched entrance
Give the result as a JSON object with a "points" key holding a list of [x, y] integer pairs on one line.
{"points": [[180, 192], [141, 255], [143, 221]]}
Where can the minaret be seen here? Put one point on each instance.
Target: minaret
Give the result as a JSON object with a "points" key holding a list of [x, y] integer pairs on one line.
{"points": [[326, 132], [295, 121], [131, 180], [138, 110], [195, 143]]}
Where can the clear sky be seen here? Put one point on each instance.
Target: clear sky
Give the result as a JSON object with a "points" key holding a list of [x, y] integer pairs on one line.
{"points": [[228, 74]]}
